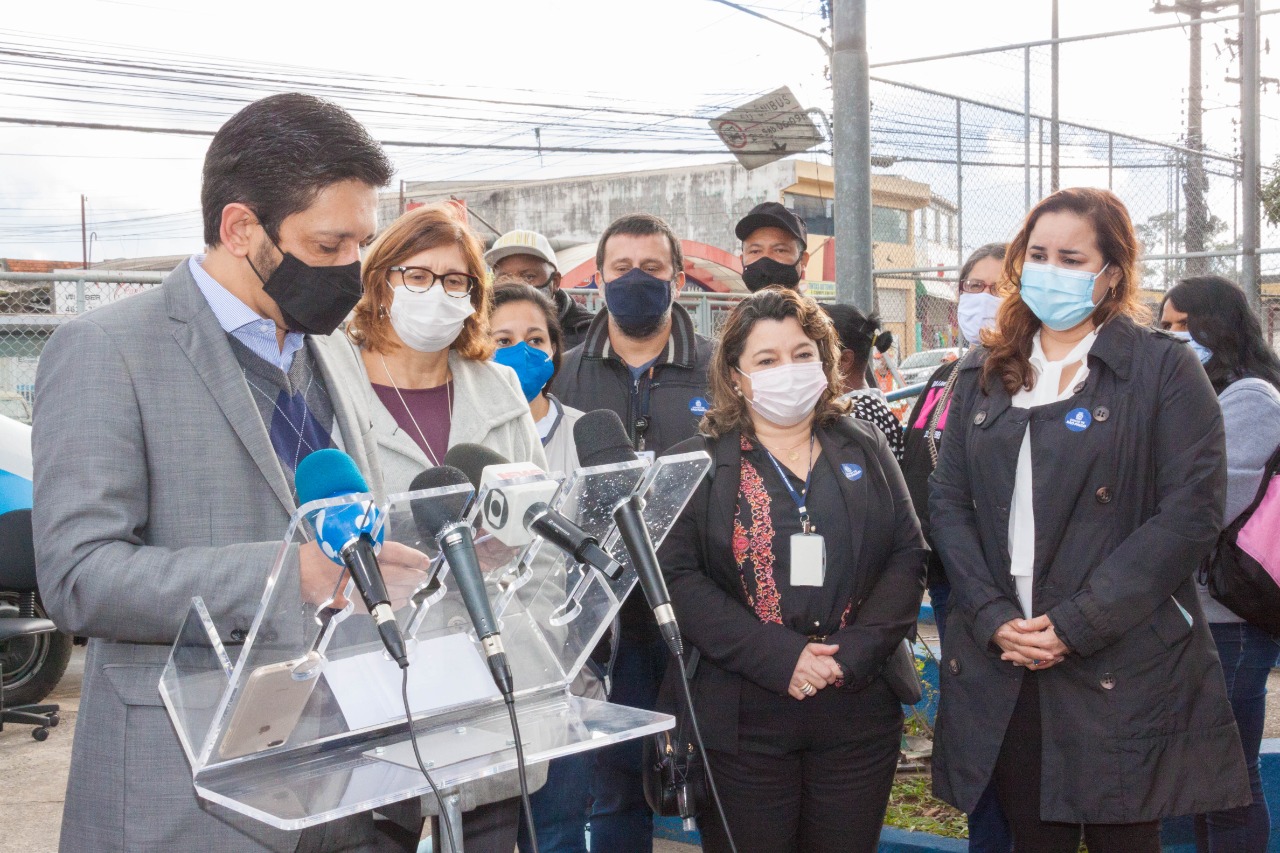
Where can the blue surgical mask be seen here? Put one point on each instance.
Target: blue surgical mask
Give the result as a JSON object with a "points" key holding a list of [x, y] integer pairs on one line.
{"points": [[1202, 352], [533, 367], [638, 302], [1061, 299]]}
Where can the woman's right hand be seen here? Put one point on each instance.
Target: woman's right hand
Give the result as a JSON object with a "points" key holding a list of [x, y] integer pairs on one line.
{"points": [[816, 669]]}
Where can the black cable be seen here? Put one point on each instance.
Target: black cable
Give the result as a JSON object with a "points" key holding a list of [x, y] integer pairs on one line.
{"points": [[524, 783], [706, 763], [408, 714]]}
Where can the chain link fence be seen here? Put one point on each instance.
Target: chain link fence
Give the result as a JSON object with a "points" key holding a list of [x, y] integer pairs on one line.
{"points": [[987, 155]]}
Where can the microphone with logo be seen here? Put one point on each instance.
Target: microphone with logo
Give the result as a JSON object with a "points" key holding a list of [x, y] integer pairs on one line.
{"points": [[459, 549], [351, 535], [602, 440], [514, 513]]}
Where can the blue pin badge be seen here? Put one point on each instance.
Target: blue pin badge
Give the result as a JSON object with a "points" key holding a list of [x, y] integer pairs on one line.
{"points": [[851, 471], [1078, 420], [699, 406]]}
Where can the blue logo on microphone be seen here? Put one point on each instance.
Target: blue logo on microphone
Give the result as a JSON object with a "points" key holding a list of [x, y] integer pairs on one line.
{"points": [[1078, 420], [851, 472]]}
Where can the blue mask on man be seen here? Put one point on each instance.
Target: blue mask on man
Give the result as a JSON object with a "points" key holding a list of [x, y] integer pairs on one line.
{"points": [[1061, 299], [638, 302], [532, 366]]}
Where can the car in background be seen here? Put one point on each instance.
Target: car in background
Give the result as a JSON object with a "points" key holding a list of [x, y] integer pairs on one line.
{"points": [[15, 406], [919, 366]]}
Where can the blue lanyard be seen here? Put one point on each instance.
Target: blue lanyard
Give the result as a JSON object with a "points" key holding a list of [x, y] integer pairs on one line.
{"points": [[786, 481]]}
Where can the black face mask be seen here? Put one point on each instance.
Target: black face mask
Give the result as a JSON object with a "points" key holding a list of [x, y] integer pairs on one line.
{"points": [[758, 275], [312, 300]]}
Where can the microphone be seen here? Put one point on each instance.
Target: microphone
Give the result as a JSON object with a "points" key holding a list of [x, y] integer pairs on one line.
{"points": [[601, 440], [455, 541], [515, 513], [351, 535]]}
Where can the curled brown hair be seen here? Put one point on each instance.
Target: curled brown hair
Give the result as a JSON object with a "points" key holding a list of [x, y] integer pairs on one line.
{"points": [[1010, 342], [730, 410], [417, 231]]}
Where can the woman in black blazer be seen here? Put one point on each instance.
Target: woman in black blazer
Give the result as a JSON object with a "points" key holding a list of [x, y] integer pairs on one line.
{"points": [[802, 730]]}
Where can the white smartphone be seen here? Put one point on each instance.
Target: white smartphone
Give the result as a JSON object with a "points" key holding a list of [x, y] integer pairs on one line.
{"points": [[270, 706]]}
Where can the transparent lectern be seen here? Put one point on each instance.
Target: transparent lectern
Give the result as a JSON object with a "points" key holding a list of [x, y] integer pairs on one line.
{"points": [[304, 722]]}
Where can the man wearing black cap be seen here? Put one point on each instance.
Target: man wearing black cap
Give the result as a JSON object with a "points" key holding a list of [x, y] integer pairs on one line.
{"points": [[774, 247]]}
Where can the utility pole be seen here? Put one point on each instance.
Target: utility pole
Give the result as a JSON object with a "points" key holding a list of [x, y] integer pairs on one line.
{"points": [[1250, 143], [84, 236], [1054, 162], [852, 153], [1195, 183]]}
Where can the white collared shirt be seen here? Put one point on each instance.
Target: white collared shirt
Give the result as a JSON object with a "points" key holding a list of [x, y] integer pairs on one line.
{"points": [[1022, 521]]}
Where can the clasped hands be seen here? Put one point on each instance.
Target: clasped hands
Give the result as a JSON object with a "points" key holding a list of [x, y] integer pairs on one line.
{"points": [[1032, 643], [816, 669]]}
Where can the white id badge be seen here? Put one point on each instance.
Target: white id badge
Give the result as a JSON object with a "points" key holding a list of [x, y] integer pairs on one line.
{"points": [[808, 559], [647, 455]]}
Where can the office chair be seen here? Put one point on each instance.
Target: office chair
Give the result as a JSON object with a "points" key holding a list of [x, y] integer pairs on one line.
{"points": [[17, 631]]}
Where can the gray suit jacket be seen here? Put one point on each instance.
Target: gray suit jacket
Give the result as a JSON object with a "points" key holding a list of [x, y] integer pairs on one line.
{"points": [[155, 480]]}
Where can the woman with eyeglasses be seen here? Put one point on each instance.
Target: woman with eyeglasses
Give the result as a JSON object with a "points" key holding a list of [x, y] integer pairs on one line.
{"points": [[421, 350], [978, 300]]}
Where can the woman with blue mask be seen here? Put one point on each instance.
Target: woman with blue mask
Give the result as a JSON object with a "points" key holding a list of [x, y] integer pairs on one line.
{"points": [[1212, 315], [527, 332], [1080, 484]]}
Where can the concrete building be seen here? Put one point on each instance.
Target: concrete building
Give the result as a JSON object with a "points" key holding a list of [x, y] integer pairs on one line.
{"points": [[703, 203]]}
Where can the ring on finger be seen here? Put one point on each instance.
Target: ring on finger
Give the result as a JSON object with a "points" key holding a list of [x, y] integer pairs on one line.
{"points": [[806, 689]]}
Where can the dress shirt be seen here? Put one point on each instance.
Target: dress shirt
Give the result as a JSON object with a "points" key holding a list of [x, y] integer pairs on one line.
{"points": [[1022, 521], [243, 323]]}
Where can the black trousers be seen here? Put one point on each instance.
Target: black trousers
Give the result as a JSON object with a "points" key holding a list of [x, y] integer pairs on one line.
{"points": [[811, 776], [1017, 778]]}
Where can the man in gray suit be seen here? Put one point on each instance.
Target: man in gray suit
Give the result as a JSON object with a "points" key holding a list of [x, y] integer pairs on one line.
{"points": [[167, 430]]}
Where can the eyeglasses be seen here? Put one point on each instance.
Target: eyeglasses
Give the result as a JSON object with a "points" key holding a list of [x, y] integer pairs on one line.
{"points": [[421, 279], [977, 285]]}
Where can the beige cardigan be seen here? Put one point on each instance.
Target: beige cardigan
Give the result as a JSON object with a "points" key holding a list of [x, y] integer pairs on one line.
{"points": [[488, 409]]}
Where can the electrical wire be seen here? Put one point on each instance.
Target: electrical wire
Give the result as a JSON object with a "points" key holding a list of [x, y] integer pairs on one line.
{"points": [[520, 771], [408, 713], [702, 750]]}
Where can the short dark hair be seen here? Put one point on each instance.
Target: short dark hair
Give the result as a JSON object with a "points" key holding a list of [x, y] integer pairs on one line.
{"points": [[641, 225], [1219, 318], [857, 331], [277, 154], [516, 291]]}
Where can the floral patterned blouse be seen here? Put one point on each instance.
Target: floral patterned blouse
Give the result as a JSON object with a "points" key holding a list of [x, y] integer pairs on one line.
{"points": [[764, 521]]}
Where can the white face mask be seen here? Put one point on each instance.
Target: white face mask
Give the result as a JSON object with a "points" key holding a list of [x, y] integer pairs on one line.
{"points": [[428, 322], [785, 395], [975, 312]]}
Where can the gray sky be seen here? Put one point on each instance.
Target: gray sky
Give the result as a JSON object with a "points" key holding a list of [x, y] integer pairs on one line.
{"points": [[666, 56]]}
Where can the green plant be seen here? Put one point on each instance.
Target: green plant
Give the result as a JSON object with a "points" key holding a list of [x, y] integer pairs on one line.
{"points": [[913, 808]]}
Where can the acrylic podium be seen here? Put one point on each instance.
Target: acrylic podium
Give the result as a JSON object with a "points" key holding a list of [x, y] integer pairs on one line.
{"points": [[304, 722]]}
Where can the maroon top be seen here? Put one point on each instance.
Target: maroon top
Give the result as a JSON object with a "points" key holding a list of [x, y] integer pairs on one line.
{"points": [[428, 407]]}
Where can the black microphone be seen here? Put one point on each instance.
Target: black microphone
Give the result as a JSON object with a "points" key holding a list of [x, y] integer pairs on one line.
{"points": [[455, 541], [523, 508], [349, 534], [601, 440]]}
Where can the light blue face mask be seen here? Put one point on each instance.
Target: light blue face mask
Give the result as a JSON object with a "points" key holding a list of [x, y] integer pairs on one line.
{"points": [[1201, 351], [1061, 299]]}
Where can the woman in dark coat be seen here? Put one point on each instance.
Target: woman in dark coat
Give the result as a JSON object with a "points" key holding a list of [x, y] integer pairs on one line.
{"points": [[802, 730], [1080, 483]]}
